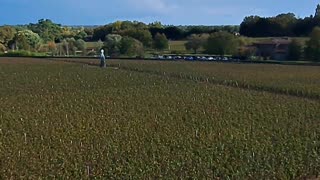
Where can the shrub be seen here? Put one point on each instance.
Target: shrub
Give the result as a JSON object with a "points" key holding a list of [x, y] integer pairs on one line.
{"points": [[23, 53]]}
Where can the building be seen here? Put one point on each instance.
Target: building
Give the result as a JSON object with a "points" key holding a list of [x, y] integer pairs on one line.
{"points": [[275, 49]]}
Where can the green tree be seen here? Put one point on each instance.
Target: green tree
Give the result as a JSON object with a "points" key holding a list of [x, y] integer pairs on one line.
{"points": [[313, 45], [27, 40], [221, 43], [99, 45], [47, 30], [295, 50], [195, 42], [112, 44], [160, 42], [131, 47], [143, 35], [7, 34], [64, 48], [317, 14], [81, 45], [72, 45]]}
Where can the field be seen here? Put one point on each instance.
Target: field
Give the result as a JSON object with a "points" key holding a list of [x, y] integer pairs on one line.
{"points": [[64, 118]]}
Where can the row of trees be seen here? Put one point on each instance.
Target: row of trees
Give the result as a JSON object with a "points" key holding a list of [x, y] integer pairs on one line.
{"points": [[37, 37], [116, 45], [280, 25], [218, 43], [151, 30], [309, 51]]}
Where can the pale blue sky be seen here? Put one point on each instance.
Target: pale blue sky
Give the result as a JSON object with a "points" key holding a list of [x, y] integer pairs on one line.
{"points": [[177, 12]]}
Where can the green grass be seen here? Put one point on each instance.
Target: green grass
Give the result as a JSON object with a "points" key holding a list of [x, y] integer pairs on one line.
{"points": [[69, 120]]}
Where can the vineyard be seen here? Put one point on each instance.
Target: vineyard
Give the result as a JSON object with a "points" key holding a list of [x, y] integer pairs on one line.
{"points": [[69, 119]]}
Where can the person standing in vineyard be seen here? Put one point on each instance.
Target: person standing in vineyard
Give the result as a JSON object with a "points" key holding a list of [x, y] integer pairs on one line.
{"points": [[102, 59]]}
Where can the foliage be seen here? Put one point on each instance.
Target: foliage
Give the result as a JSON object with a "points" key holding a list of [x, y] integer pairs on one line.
{"points": [[24, 53], [81, 46], [27, 40], [131, 47], [295, 50], [195, 42], [221, 43], [7, 34], [313, 45], [142, 35], [280, 25], [47, 30], [112, 44], [160, 42], [2, 48], [52, 47]]}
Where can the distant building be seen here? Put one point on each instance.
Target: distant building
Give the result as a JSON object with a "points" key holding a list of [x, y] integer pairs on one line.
{"points": [[275, 49]]}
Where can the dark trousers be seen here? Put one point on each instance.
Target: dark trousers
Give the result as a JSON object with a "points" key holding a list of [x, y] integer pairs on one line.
{"points": [[102, 62]]}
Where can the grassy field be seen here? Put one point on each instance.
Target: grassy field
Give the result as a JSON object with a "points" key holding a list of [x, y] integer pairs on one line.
{"points": [[71, 120]]}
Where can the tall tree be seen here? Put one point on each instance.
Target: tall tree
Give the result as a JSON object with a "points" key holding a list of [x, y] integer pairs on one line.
{"points": [[221, 43], [195, 42], [47, 30], [143, 35], [7, 34], [131, 47], [317, 14], [27, 40], [313, 45], [160, 42], [81, 45], [112, 44], [295, 50]]}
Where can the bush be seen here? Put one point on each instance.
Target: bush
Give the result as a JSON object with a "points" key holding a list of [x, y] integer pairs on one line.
{"points": [[23, 54]]}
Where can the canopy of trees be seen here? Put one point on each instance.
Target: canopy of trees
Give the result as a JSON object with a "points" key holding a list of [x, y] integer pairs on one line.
{"points": [[312, 50], [195, 42], [160, 42], [280, 25], [221, 43]]}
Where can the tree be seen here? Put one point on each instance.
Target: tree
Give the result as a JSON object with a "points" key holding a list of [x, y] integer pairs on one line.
{"points": [[47, 30], [313, 45], [295, 50], [173, 33], [317, 14], [143, 35], [131, 47], [72, 45], [81, 45], [160, 42], [52, 47], [2, 48], [221, 43], [112, 44], [27, 40], [64, 48], [99, 45], [100, 33], [7, 34], [195, 42], [247, 27]]}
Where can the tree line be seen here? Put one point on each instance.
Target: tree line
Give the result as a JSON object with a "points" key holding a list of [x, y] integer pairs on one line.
{"points": [[281, 25]]}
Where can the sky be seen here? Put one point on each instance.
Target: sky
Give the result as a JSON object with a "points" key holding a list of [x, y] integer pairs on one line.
{"points": [[169, 12]]}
